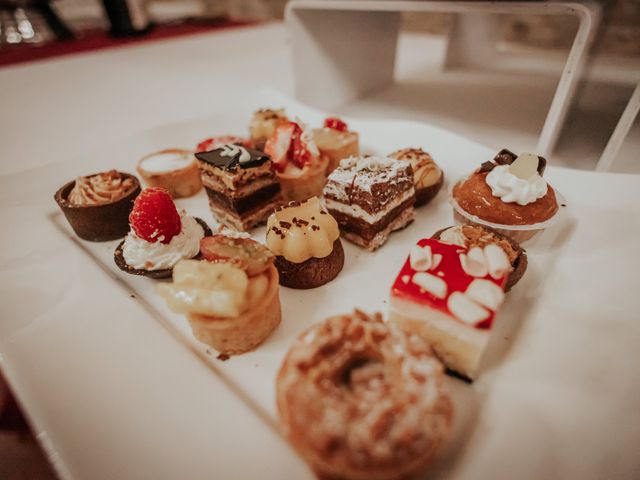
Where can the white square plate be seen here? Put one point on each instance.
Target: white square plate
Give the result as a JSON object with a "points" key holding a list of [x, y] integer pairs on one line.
{"points": [[554, 399]]}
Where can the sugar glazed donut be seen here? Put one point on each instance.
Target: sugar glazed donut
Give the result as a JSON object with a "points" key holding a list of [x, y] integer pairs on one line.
{"points": [[359, 399]]}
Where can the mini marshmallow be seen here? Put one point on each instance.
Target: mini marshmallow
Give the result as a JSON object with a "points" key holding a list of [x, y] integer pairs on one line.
{"points": [[466, 309], [421, 258], [497, 261], [486, 293], [474, 263], [430, 283]]}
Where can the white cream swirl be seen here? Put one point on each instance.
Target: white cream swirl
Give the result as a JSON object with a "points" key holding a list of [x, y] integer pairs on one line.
{"points": [[511, 189], [144, 255]]}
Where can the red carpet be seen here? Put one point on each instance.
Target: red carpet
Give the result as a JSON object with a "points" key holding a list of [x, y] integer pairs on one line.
{"points": [[97, 40]]}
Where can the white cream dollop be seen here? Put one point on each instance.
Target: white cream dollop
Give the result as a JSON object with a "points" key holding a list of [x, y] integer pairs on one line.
{"points": [[509, 188], [144, 255]]}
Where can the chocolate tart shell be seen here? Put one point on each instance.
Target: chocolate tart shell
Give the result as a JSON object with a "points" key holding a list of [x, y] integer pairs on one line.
{"points": [[313, 272], [425, 195], [519, 264], [98, 223], [118, 257]]}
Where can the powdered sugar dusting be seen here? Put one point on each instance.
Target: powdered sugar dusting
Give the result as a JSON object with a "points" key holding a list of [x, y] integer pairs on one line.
{"points": [[363, 173]]}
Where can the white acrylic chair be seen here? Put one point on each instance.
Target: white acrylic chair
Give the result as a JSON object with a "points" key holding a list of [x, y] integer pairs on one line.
{"points": [[620, 133], [345, 49]]}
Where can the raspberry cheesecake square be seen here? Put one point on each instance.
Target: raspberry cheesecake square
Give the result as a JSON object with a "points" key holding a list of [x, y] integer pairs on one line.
{"points": [[449, 295]]}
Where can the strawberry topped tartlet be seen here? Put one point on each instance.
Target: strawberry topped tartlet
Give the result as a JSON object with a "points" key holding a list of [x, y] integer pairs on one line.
{"points": [[297, 161], [449, 295], [160, 236], [336, 142]]}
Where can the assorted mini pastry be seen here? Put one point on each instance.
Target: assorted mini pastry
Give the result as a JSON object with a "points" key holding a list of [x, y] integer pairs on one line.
{"points": [[360, 399], [217, 142], [371, 197], [306, 242], [231, 299], [299, 166], [508, 194], [470, 236], [241, 185], [263, 125], [448, 294], [160, 236], [173, 169], [357, 397], [427, 176], [336, 142], [97, 206]]}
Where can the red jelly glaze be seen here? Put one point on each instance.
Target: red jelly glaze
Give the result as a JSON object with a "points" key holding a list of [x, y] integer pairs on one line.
{"points": [[456, 278], [336, 124], [212, 143]]}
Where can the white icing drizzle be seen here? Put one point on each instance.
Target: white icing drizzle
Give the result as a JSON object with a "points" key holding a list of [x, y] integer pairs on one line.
{"points": [[354, 171], [231, 150]]}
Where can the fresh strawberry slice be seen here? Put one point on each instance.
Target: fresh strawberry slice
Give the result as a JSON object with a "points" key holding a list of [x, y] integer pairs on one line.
{"points": [[277, 147], [336, 124], [286, 145], [154, 216], [245, 253], [216, 142], [298, 152]]}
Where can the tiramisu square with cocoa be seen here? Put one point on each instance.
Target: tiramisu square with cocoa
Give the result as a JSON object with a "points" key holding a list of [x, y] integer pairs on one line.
{"points": [[241, 185], [370, 197]]}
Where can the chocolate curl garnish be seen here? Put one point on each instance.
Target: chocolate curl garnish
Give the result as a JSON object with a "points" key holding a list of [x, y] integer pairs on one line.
{"points": [[542, 164]]}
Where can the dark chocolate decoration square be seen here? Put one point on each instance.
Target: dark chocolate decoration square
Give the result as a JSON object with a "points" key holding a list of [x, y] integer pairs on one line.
{"points": [[216, 158]]}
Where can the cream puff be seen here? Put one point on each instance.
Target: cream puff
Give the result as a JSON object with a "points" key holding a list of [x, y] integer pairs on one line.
{"points": [[306, 241]]}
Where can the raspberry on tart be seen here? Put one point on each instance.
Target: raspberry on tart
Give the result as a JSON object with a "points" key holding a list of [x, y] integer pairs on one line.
{"points": [[160, 236], [336, 142], [154, 216], [335, 124]]}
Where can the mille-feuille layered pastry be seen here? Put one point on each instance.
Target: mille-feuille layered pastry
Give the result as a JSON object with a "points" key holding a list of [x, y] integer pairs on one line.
{"points": [[370, 197], [241, 185], [449, 294]]}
